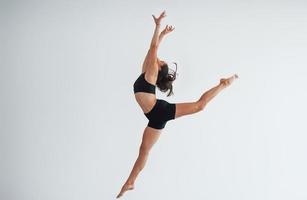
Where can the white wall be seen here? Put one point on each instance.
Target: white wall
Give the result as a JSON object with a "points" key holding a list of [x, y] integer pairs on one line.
{"points": [[70, 127]]}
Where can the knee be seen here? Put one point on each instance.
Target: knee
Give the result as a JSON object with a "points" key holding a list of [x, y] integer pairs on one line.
{"points": [[144, 150], [201, 105]]}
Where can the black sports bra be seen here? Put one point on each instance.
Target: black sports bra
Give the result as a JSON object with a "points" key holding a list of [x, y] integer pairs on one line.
{"points": [[141, 85]]}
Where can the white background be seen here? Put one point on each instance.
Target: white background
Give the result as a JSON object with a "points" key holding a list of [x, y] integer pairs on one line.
{"points": [[71, 128]]}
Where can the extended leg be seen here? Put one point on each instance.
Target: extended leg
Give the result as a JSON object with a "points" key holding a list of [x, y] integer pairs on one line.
{"points": [[194, 107], [150, 137]]}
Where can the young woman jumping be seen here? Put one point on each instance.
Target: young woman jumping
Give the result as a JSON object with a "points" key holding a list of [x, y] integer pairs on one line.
{"points": [[155, 72]]}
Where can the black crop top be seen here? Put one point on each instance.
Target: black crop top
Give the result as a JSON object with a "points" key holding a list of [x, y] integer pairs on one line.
{"points": [[141, 85]]}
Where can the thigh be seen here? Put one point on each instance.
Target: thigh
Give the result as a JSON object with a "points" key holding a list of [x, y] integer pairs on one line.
{"points": [[150, 137], [186, 109]]}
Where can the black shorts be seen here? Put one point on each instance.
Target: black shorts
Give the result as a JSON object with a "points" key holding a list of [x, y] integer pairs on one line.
{"points": [[160, 114]]}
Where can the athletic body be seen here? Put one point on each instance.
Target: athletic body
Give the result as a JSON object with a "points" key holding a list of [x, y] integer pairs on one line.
{"points": [[155, 73]]}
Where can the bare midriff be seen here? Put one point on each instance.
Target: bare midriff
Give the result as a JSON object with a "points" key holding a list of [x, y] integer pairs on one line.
{"points": [[145, 100]]}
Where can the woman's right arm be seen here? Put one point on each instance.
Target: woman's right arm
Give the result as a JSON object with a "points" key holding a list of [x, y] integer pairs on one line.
{"points": [[151, 56], [155, 37]]}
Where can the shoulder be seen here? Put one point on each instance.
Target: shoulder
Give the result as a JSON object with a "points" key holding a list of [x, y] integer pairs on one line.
{"points": [[151, 76]]}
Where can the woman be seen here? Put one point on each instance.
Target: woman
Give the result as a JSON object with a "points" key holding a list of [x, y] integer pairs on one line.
{"points": [[156, 73]]}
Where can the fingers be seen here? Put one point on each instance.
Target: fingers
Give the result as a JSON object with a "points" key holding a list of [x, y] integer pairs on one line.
{"points": [[171, 28], [168, 28], [158, 20], [163, 14]]}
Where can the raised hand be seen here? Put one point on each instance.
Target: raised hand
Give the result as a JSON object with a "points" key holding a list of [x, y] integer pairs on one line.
{"points": [[158, 20], [168, 29]]}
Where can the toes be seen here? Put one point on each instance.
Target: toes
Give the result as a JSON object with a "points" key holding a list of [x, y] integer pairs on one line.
{"points": [[124, 189], [120, 193]]}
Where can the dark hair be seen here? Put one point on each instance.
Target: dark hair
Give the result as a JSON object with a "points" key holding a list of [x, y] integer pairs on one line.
{"points": [[166, 78]]}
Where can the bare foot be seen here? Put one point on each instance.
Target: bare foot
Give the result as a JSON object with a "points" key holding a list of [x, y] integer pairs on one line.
{"points": [[124, 189], [227, 81]]}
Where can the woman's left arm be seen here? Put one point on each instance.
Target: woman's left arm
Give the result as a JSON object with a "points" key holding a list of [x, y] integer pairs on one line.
{"points": [[166, 30]]}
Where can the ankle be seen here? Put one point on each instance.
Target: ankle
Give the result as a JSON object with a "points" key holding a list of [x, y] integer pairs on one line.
{"points": [[128, 182], [222, 86]]}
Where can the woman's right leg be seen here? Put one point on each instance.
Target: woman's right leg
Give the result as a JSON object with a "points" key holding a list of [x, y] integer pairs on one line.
{"points": [[194, 107], [150, 137]]}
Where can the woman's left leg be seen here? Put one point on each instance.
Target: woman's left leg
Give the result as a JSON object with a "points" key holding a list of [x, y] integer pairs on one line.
{"points": [[197, 106]]}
